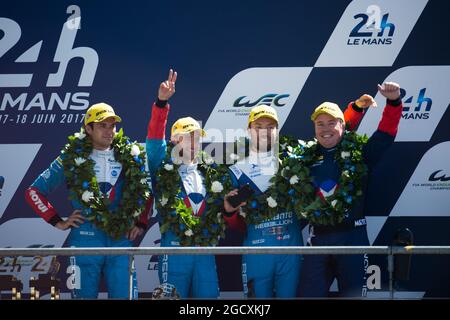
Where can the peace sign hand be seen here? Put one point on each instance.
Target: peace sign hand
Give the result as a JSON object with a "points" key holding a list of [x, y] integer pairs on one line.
{"points": [[167, 88]]}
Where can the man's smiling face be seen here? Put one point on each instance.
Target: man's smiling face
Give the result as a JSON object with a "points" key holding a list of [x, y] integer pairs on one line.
{"points": [[329, 130]]}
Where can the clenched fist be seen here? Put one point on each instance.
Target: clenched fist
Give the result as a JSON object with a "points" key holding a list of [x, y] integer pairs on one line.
{"points": [[365, 101], [390, 90]]}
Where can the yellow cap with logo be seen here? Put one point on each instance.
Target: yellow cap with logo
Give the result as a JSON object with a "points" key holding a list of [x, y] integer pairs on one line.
{"points": [[186, 125], [329, 108], [262, 111], [99, 112]]}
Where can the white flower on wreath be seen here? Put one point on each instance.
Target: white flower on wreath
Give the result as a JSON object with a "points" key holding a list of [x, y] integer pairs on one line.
{"points": [[208, 160], [283, 146], [302, 143], [242, 213], [345, 173], [136, 214], [234, 156], [333, 203], [216, 187], [189, 233], [143, 180], [219, 216], [310, 143], [345, 154], [271, 202], [79, 161], [284, 171], [177, 161], [163, 201], [87, 196], [168, 167], [294, 179], [80, 135], [135, 151]]}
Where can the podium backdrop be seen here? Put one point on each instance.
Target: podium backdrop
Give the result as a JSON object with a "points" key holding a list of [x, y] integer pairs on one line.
{"points": [[59, 57]]}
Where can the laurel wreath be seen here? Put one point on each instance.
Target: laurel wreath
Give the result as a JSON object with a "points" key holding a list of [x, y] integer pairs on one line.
{"points": [[287, 186], [191, 230], [349, 158], [83, 184]]}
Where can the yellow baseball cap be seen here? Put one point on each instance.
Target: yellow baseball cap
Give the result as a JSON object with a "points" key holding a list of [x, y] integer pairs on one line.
{"points": [[186, 125], [262, 111], [99, 112], [329, 108]]}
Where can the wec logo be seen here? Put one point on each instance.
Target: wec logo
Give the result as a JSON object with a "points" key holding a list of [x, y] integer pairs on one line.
{"points": [[434, 176], [267, 99]]}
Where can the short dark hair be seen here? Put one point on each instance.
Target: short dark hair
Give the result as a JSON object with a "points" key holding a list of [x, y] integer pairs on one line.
{"points": [[91, 125]]}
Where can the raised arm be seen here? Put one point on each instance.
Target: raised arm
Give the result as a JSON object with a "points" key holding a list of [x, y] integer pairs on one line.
{"points": [[155, 142]]}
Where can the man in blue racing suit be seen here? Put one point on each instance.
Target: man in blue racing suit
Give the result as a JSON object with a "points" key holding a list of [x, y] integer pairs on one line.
{"points": [[195, 275], [266, 275], [100, 126], [319, 271]]}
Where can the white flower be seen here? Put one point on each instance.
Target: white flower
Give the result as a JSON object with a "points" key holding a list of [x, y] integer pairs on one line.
{"points": [[333, 203], [283, 146], [242, 213], [135, 151], [310, 143], [168, 167], [345, 173], [189, 233], [208, 160], [163, 201], [177, 161], [136, 214], [284, 171], [234, 156], [293, 180], [301, 142], [79, 161], [304, 214], [87, 196], [271, 202], [80, 135], [216, 187], [345, 154], [143, 180]]}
